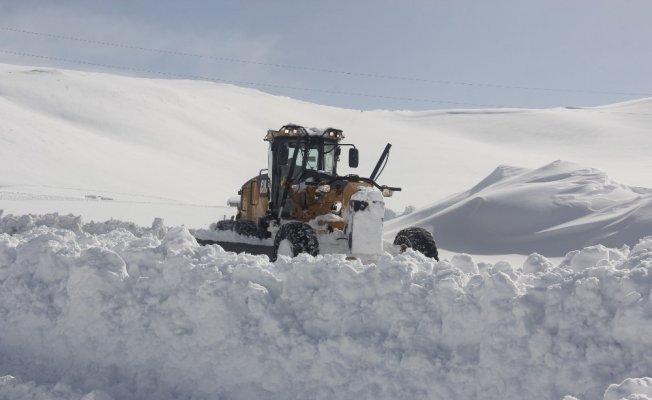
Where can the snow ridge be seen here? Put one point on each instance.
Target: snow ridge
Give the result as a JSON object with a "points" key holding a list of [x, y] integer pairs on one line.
{"points": [[551, 210], [150, 314]]}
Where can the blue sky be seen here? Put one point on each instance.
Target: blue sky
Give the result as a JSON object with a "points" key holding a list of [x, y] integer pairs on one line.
{"points": [[356, 54]]}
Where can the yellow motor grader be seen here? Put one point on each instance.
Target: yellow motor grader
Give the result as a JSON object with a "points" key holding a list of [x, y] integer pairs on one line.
{"points": [[299, 204]]}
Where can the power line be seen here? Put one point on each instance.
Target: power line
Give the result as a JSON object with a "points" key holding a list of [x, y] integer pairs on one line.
{"points": [[295, 88], [316, 69], [246, 83]]}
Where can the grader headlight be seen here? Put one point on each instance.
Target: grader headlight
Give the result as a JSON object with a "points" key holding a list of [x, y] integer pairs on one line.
{"points": [[333, 134], [387, 192]]}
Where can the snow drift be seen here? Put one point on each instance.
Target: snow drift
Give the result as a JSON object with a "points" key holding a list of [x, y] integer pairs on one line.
{"points": [[551, 210], [117, 311]]}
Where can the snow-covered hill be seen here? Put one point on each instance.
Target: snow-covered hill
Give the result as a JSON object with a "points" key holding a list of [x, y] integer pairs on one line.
{"points": [[121, 312], [197, 142], [550, 210], [178, 149]]}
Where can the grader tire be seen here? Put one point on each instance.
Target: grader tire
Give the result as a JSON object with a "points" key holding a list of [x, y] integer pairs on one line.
{"points": [[296, 237], [418, 239], [224, 225], [247, 228]]}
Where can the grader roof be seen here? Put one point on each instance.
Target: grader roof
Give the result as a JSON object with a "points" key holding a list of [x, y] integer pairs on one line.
{"points": [[298, 131]]}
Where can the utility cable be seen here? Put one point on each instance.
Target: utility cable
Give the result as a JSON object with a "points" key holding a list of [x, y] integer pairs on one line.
{"points": [[295, 88], [245, 83], [316, 69]]}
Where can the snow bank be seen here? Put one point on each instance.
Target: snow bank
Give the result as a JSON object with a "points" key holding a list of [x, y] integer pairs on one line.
{"points": [[549, 210], [150, 314]]}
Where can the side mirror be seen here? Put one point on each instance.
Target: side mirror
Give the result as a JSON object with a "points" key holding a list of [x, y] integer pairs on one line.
{"points": [[283, 155], [353, 157]]}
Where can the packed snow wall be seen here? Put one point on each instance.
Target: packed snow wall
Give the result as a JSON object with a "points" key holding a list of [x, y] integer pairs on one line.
{"points": [[117, 311]]}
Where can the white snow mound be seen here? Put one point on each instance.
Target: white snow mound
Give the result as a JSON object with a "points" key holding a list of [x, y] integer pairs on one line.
{"points": [[147, 313], [550, 210]]}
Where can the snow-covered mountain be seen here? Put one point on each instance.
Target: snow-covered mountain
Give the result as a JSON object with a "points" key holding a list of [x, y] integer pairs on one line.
{"points": [[550, 210]]}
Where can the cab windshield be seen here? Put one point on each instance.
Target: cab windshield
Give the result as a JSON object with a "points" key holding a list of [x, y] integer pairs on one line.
{"points": [[324, 162]]}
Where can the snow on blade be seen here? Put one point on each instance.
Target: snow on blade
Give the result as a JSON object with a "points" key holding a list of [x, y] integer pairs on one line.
{"points": [[142, 313]]}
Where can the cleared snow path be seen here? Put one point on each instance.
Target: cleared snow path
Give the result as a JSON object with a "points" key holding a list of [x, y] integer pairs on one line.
{"points": [[118, 311]]}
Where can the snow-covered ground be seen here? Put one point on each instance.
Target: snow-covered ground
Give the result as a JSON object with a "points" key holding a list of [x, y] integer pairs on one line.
{"points": [[104, 205], [114, 310]]}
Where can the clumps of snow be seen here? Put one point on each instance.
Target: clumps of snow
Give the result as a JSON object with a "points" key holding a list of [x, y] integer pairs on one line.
{"points": [[579, 260], [14, 224], [643, 246], [465, 263], [118, 315], [630, 389], [12, 388], [17, 224], [536, 263]]}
